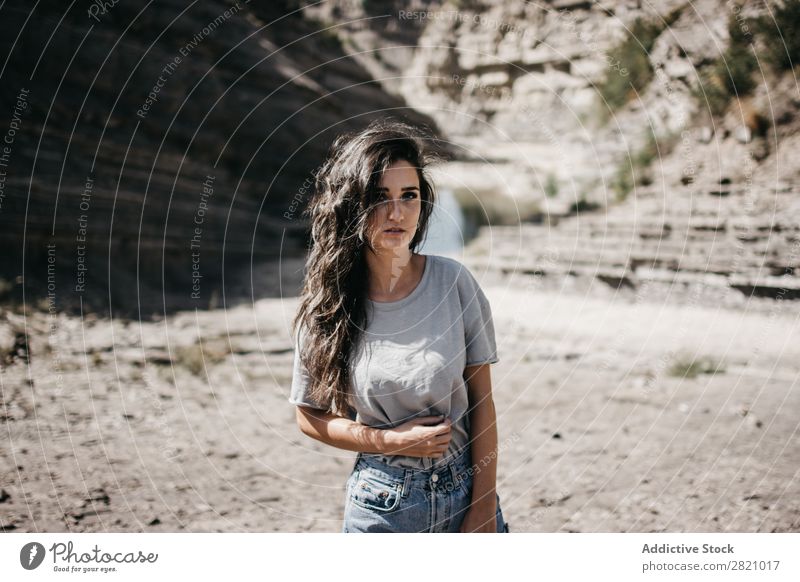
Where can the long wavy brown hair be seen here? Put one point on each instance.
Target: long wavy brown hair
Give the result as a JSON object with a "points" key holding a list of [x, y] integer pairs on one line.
{"points": [[332, 312]]}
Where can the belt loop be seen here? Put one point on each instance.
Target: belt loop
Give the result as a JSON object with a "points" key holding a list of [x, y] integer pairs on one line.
{"points": [[454, 472], [462, 458], [406, 483]]}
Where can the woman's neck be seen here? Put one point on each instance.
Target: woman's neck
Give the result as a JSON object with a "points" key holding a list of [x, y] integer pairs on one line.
{"points": [[393, 274]]}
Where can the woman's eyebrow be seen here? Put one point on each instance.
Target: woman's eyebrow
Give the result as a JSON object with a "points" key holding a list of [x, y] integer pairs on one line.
{"points": [[404, 188]]}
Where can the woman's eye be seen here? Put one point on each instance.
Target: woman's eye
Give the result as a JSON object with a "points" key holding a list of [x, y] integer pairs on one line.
{"points": [[406, 196]]}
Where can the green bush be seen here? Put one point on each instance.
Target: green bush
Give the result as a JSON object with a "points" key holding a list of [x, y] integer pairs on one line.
{"points": [[622, 182], [737, 67], [731, 75], [631, 70], [635, 171], [551, 186], [583, 205], [781, 36], [649, 152], [710, 93], [688, 366]]}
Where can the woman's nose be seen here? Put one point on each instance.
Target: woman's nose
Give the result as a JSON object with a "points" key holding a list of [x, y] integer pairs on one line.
{"points": [[395, 209]]}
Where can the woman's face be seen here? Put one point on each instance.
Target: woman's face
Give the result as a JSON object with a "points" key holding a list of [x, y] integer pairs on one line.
{"points": [[393, 222]]}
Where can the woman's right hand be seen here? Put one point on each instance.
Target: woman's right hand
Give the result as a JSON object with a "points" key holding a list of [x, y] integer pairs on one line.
{"points": [[424, 436]]}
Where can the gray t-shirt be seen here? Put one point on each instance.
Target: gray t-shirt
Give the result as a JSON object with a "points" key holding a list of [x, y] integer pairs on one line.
{"points": [[410, 361]]}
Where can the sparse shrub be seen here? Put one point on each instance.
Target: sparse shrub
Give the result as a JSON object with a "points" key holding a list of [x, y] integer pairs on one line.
{"points": [[636, 171], [622, 182], [688, 366], [736, 69], [781, 36], [583, 205], [710, 93], [551, 186], [631, 69], [196, 359], [731, 75], [649, 152]]}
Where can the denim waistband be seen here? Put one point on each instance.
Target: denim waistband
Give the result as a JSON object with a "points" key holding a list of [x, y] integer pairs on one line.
{"points": [[458, 463]]}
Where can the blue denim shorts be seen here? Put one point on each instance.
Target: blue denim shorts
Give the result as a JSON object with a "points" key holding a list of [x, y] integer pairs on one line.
{"points": [[384, 498]]}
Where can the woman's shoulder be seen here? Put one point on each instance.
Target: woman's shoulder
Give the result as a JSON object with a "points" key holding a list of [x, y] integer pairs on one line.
{"points": [[452, 271]]}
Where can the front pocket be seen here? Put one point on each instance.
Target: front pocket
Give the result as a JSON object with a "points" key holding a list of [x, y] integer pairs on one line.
{"points": [[372, 492]]}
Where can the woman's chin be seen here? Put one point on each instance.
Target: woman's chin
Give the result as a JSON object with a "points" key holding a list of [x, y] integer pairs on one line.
{"points": [[394, 250], [394, 242]]}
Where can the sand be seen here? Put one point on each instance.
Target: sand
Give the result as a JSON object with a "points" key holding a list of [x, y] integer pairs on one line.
{"points": [[126, 426]]}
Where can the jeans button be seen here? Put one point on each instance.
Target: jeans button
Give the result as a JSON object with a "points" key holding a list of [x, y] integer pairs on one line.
{"points": [[434, 477]]}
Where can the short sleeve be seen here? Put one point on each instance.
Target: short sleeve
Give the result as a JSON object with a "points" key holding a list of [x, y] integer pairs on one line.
{"points": [[479, 336], [301, 380]]}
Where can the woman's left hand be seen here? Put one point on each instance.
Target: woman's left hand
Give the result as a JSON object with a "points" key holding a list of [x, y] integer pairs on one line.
{"points": [[479, 519]]}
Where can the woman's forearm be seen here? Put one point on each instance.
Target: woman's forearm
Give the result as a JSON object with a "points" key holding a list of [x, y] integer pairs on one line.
{"points": [[343, 433], [483, 433], [483, 427]]}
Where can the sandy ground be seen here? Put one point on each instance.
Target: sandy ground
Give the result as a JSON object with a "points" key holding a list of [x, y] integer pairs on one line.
{"points": [[145, 430]]}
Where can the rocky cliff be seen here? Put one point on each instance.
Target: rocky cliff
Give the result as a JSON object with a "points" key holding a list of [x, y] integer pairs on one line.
{"points": [[668, 118], [127, 126], [149, 149]]}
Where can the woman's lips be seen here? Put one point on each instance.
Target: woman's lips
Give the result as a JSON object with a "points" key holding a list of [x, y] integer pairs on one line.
{"points": [[394, 231]]}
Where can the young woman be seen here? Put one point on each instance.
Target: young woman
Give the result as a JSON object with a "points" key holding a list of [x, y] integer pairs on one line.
{"points": [[393, 347]]}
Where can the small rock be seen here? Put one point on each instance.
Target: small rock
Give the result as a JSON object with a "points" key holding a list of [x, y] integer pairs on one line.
{"points": [[4, 496], [556, 435], [154, 521], [740, 410], [705, 134], [743, 134]]}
